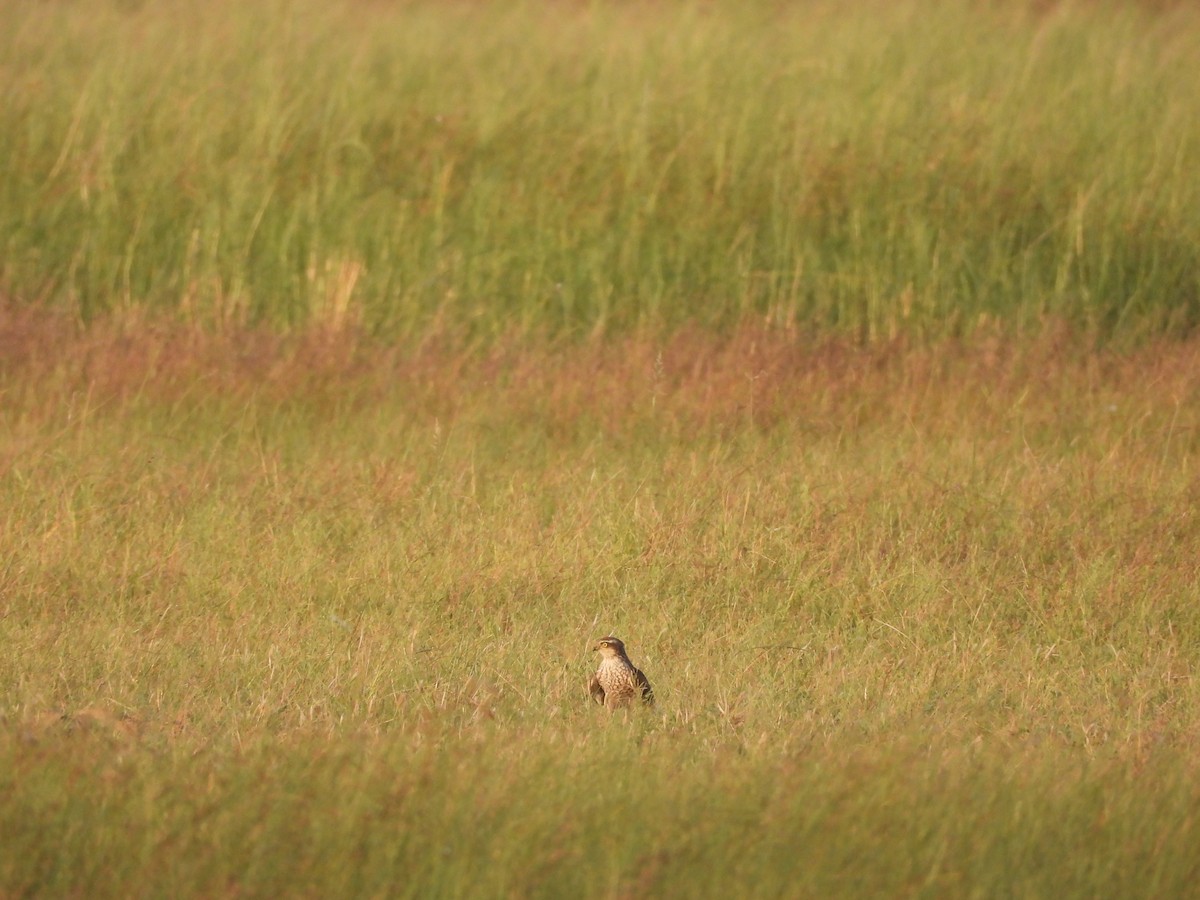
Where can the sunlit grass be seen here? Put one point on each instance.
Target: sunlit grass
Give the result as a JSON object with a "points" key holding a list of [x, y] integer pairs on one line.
{"points": [[917, 167], [500, 813], [312, 615], [360, 363]]}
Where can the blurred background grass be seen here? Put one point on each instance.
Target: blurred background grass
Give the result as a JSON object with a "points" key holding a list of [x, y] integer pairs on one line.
{"points": [[573, 168], [361, 362]]}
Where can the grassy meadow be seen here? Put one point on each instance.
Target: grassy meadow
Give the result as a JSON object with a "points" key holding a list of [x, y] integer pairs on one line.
{"points": [[590, 167], [361, 363]]}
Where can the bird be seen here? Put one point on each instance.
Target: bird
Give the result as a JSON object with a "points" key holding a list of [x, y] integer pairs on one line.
{"points": [[618, 682]]}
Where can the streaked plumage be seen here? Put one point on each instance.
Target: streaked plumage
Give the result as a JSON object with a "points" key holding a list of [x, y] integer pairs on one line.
{"points": [[618, 682]]}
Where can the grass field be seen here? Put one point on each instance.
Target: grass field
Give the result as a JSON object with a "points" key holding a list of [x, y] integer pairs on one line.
{"points": [[910, 166], [360, 364]]}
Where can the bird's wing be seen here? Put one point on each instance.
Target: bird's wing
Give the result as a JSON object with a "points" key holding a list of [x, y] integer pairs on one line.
{"points": [[643, 682], [596, 690]]}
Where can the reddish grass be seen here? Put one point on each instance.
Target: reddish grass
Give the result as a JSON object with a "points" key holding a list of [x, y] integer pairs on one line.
{"points": [[754, 376]]}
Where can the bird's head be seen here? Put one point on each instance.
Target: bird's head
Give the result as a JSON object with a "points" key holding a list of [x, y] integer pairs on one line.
{"points": [[610, 647]]}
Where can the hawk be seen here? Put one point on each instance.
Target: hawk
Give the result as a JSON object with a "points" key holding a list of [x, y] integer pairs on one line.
{"points": [[617, 682]]}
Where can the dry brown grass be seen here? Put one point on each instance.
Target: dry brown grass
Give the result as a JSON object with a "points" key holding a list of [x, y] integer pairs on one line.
{"points": [[755, 376], [956, 580]]}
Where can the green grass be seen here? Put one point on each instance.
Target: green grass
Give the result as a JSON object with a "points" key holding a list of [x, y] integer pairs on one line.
{"points": [[595, 817], [361, 363], [579, 168], [312, 616]]}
